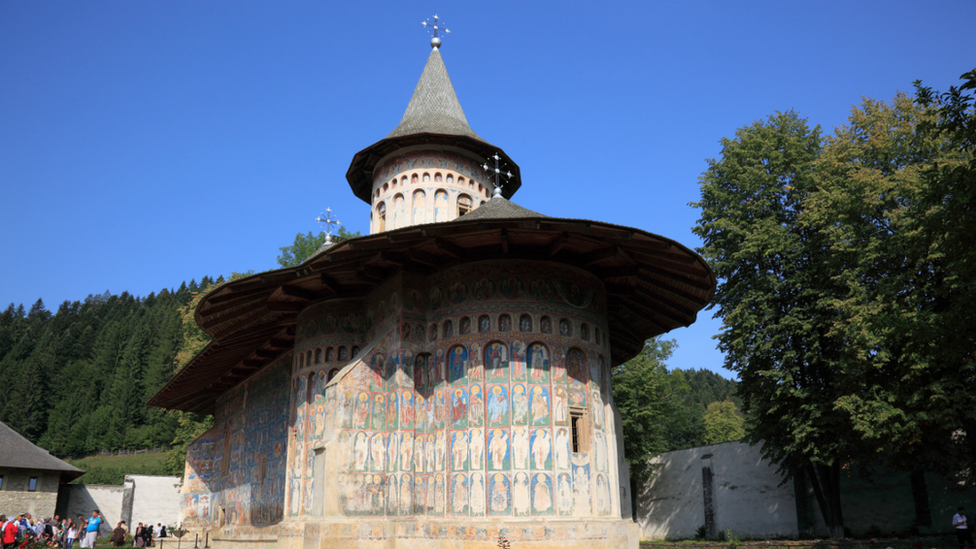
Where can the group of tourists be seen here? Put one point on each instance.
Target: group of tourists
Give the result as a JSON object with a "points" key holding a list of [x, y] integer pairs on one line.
{"points": [[143, 535], [55, 532], [65, 533]]}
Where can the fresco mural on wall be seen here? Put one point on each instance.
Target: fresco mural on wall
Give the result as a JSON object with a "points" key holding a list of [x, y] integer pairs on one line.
{"points": [[469, 422]]}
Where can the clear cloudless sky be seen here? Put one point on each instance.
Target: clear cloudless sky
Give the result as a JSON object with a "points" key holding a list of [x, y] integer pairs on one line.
{"points": [[143, 144]]}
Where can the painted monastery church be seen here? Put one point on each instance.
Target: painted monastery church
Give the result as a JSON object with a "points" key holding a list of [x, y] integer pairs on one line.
{"points": [[441, 382]]}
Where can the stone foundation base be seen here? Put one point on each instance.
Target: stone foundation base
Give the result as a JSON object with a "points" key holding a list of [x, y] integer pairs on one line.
{"points": [[432, 534]]}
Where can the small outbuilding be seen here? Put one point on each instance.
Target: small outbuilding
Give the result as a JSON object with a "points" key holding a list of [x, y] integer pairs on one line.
{"points": [[30, 477]]}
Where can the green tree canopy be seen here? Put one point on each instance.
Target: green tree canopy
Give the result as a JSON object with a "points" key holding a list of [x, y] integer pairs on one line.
{"points": [[723, 422], [306, 244], [846, 289]]}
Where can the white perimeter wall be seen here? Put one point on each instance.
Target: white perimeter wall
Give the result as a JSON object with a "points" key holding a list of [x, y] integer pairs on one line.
{"points": [[155, 500], [85, 498], [746, 495]]}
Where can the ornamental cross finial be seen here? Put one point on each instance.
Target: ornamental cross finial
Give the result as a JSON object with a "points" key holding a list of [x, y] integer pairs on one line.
{"points": [[331, 224], [435, 41], [496, 169]]}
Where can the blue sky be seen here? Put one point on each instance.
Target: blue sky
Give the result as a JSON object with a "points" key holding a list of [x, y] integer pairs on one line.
{"points": [[147, 143]]}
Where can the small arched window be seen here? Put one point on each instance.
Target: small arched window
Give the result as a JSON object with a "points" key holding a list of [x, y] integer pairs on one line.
{"points": [[426, 178], [381, 216], [393, 183], [413, 179], [461, 181], [450, 179], [403, 180], [463, 205], [471, 183], [318, 356], [437, 177], [386, 187]]}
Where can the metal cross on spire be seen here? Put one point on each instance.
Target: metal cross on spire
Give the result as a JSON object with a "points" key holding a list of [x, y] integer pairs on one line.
{"points": [[331, 224], [496, 169], [435, 41]]}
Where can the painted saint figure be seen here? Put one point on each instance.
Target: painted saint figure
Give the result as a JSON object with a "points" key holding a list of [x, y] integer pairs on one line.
{"points": [[520, 494], [541, 447], [497, 449], [498, 406], [541, 494]]}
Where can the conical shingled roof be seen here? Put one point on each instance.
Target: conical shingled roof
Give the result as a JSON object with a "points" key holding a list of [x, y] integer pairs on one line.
{"points": [[434, 106], [434, 120]]}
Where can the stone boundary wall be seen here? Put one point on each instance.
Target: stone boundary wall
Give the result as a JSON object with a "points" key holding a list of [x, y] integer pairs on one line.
{"points": [[719, 486], [730, 486]]}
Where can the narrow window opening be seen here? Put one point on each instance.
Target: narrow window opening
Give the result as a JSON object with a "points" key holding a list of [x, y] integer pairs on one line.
{"points": [[318, 356], [33, 484], [578, 426]]}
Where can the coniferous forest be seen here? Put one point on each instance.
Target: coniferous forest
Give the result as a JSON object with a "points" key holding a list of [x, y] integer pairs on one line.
{"points": [[78, 379]]}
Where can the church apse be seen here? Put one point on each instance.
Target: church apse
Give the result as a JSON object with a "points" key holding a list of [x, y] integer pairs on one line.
{"points": [[484, 396]]}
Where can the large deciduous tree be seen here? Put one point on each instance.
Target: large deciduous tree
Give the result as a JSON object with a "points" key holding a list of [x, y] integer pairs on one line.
{"points": [[770, 297], [848, 285]]}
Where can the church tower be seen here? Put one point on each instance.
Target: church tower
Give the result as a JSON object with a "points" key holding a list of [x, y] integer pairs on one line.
{"points": [[430, 168]]}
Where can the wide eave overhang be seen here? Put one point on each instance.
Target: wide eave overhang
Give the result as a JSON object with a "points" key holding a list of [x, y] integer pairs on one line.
{"points": [[653, 285], [360, 172]]}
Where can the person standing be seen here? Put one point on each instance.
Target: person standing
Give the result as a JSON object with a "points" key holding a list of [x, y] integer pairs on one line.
{"points": [[8, 532], [961, 524], [118, 536], [69, 538], [91, 531]]}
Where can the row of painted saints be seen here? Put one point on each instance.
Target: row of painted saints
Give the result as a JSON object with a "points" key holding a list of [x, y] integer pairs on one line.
{"points": [[491, 405], [463, 494], [518, 448]]}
